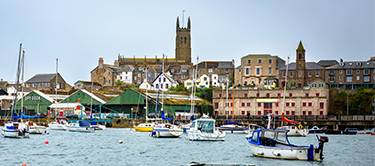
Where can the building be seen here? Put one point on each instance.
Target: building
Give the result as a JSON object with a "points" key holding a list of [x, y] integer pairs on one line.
{"points": [[34, 102], [125, 74], [258, 70], [87, 85], [312, 101], [105, 74], [218, 72], [45, 82], [301, 73], [351, 74], [163, 81]]}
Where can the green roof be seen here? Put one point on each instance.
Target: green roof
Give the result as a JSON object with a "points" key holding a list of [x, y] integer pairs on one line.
{"points": [[300, 47]]}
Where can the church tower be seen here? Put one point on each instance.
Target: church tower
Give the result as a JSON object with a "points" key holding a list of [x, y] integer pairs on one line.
{"points": [[300, 66], [183, 42]]}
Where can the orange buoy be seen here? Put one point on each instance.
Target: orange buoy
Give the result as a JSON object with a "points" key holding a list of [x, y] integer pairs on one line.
{"points": [[24, 164], [364, 132], [46, 142]]}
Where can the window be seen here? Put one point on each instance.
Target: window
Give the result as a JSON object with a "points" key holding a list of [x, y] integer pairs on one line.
{"points": [[28, 85], [331, 78], [257, 94], [366, 79], [317, 73], [260, 80], [259, 104], [349, 79], [290, 94], [226, 112], [317, 94], [270, 61], [104, 80], [291, 74], [242, 112], [293, 104], [34, 85], [210, 70], [309, 72], [243, 104], [357, 77], [227, 104], [157, 86], [313, 85], [304, 113], [135, 78], [161, 86], [310, 113], [247, 70], [283, 73], [321, 105], [331, 72], [321, 113], [321, 85], [310, 104], [248, 112], [287, 113], [259, 113], [105, 70], [299, 73], [293, 113], [260, 61], [278, 95], [349, 72], [248, 104], [267, 95], [287, 104], [357, 71], [109, 74], [220, 95], [166, 85], [340, 71], [258, 71], [164, 79], [340, 78], [248, 61], [245, 94], [229, 95], [307, 94], [231, 104], [40, 84], [226, 70], [216, 105], [366, 71], [304, 104]]}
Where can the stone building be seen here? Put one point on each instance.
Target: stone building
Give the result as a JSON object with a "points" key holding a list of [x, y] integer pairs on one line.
{"points": [[351, 74], [301, 73], [86, 85], [304, 102], [218, 72], [258, 69], [106, 74], [46, 82]]}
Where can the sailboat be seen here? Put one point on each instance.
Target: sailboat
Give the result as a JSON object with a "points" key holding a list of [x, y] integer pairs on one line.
{"points": [[233, 127], [164, 130], [33, 127], [296, 131], [13, 129]]}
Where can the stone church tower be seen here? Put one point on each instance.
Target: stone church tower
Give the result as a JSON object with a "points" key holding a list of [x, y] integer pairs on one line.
{"points": [[183, 42], [300, 66]]}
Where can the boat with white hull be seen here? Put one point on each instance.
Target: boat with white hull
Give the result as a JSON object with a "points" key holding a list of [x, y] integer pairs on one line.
{"points": [[274, 143], [98, 126], [15, 130], [204, 130], [295, 131], [35, 129], [234, 129], [166, 130], [59, 124], [366, 131], [81, 126]]}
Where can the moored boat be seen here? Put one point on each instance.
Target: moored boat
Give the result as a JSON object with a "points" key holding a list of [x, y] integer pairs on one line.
{"points": [[317, 130], [204, 130], [365, 131], [81, 126], [235, 129], [98, 126], [274, 143], [15, 130], [295, 131], [166, 130], [59, 124], [35, 129]]}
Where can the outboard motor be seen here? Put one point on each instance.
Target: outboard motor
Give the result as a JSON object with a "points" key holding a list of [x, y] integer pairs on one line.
{"points": [[322, 140]]}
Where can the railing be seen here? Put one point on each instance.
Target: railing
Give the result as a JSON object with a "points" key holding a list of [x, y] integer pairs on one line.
{"points": [[305, 118]]}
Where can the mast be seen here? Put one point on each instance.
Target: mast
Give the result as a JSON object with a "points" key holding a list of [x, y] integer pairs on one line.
{"points": [[233, 102], [146, 96], [56, 87], [286, 79], [193, 90], [23, 60], [162, 83], [17, 82]]}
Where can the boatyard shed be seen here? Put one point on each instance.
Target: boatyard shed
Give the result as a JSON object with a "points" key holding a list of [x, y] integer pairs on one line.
{"points": [[34, 102], [133, 101], [85, 98]]}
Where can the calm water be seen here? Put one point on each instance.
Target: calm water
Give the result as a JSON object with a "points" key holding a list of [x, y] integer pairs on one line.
{"points": [[103, 148]]}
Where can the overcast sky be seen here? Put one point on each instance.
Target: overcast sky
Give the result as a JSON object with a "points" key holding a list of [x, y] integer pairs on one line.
{"points": [[79, 32]]}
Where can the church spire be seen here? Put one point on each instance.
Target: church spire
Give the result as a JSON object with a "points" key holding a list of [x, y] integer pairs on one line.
{"points": [[300, 46], [188, 27], [177, 24]]}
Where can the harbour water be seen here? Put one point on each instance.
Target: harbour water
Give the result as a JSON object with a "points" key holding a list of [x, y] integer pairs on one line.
{"points": [[103, 148]]}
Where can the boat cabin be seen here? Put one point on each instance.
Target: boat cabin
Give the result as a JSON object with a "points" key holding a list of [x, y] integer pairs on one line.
{"points": [[204, 125], [271, 137]]}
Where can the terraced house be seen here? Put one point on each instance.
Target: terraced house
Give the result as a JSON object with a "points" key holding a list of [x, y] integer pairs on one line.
{"points": [[46, 82]]}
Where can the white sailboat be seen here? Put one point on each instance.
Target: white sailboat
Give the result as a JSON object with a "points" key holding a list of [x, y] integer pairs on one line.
{"points": [[13, 129]]}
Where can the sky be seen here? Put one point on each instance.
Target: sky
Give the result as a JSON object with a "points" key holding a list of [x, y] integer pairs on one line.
{"points": [[78, 33]]}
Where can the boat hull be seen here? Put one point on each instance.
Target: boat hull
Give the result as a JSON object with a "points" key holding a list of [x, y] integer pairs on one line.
{"points": [[81, 129], [143, 129], [166, 133], [57, 126], [15, 133], [37, 129], [197, 135]]}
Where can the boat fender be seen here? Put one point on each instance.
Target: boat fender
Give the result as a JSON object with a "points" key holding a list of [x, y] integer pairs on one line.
{"points": [[276, 153], [300, 127], [310, 154], [157, 134]]}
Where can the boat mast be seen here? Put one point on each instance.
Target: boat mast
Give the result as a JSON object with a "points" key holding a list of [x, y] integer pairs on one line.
{"points": [[193, 90], [162, 83], [285, 82], [233, 102], [146, 96], [17, 82], [56, 87], [23, 60]]}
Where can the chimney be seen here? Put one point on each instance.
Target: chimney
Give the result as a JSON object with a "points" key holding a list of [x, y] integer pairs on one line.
{"points": [[116, 63], [341, 60], [100, 62], [2, 80]]}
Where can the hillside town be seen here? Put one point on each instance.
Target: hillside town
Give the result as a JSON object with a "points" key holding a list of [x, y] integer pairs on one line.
{"points": [[249, 86]]}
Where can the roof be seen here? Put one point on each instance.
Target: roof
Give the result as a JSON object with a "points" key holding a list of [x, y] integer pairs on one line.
{"points": [[259, 56], [326, 63], [41, 78], [127, 68], [167, 76], [86, 82], [44, 96], [225, 65], [353, 65], [308, 66], [300, 47], [216, 64], [93, 96], [112, 68]]}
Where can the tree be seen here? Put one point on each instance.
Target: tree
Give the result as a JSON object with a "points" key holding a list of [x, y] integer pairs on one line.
{"points": [[118, 83]]}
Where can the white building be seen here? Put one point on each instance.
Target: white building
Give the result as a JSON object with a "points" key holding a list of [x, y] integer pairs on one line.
{"points": [[125, 74], [163, 82]]}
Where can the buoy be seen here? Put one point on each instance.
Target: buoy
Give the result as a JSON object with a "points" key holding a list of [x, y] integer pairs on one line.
{"points": [[47, 133], [364, 132], [120, 141], [24, 164], [126, 130], [46, 142]]}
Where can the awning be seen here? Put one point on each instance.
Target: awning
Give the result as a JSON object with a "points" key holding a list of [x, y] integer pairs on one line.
{"points": [[266, 100]]}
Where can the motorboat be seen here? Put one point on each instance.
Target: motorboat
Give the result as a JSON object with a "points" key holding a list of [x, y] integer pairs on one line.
{"points": [[98, 126], [204, 130], [365, 131], [317, 130], [35, 129], [274, 143], [15, 130], [294, 131], [81, 126], [166, 130], [234, 129], [59, 124], [339, 132]]}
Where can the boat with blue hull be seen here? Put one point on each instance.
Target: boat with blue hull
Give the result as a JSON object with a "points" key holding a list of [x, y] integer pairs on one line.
{"points": [[81, 126], [274, 143]]}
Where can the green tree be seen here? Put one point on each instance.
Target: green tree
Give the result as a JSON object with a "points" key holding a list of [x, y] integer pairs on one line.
{"points": [[118, 83]]}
